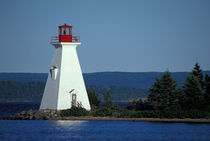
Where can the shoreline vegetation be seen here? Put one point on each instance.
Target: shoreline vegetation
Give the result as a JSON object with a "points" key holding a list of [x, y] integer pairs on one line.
{"points": [[138, 119], [57, 115], [166, 102]]}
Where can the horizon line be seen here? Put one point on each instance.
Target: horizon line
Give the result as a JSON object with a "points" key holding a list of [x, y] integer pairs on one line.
{"points": [[113, 72]]}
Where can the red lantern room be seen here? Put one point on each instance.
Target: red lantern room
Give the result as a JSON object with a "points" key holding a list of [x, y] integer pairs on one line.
{"points": [[65, 34]]}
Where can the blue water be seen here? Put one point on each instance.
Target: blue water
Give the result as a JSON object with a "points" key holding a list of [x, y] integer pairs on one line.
{"points": [[7, 109], [95, 130], [102, 131]]}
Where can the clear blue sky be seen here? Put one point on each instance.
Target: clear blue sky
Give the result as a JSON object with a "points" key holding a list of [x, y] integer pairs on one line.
{"points": [[116, 35]]}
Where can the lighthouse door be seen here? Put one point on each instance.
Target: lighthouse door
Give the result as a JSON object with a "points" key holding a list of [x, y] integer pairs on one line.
{"points": [[74, 100]]}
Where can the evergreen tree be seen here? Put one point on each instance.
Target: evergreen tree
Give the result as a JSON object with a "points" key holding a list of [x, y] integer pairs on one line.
{"points": [[107, 98], [197, 72], [93, 98], [154, 96], [135, 105], [193, 93], [181, 97], [207, 90], [163, 92]]}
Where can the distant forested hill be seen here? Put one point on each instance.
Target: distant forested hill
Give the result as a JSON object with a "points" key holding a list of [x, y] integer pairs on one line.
{"points": [[120, 93], [123, 86], [23, 77], [141, 80], [11, 91], [21, 91]]}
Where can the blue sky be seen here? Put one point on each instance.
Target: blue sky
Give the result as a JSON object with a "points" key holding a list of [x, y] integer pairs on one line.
{"points": [[116, 35]]}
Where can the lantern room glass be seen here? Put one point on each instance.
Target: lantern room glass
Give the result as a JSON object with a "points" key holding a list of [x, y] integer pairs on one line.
{"points": [[67, 31]]}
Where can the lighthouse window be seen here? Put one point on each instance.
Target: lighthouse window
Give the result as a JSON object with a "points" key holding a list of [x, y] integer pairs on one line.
{"points": [[74, 100], [64, 31], [53, 72], [74, 97], [67, 31]]}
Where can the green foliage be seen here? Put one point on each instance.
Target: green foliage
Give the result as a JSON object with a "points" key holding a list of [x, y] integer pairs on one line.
{"points": [[178, 113], [145, 114], [197, 114], [136, 105], [197, 72], [115, 111], [169, 112], [74, 111], [207, 90], [207, 84], [194, 97], [93, 98], [120, 93], [166, 101], [110, 111], [194, 88], [181, 97], [163, 92], [107, 99]]}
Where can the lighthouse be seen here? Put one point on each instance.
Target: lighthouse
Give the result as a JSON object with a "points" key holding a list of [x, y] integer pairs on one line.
{"points": [[65, 85]]}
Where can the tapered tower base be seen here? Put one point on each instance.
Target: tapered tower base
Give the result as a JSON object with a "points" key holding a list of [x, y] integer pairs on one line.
{"points": [[65, 86]]}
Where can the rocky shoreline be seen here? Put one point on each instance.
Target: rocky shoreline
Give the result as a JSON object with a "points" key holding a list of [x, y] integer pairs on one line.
{"points": [[35, 115], [55, 115]]}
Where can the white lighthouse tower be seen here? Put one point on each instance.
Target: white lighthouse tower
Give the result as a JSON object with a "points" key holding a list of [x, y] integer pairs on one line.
{"points": [[65, 86]]}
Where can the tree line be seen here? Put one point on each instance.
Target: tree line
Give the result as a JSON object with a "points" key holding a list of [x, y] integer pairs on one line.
{"points": [[32, 91], [194, 94], [166, 99], [12, 91]]}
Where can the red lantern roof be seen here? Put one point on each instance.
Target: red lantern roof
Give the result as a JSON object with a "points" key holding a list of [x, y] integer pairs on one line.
{"points": [[65, 26], [65, 34]]}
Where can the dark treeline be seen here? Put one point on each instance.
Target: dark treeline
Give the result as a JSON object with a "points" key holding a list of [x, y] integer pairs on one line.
{"points": [[21, 91], [164, 93], [120, 93], [143, 80], [11, 91], [165, 100]]}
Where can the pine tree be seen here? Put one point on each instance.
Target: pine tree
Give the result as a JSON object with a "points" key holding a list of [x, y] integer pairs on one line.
{"points": [[193, 93], [93, 98], [136, 105], [207, 89], [107, 98], [154, 96], [181, 97], [197, 72], [163, 92]]}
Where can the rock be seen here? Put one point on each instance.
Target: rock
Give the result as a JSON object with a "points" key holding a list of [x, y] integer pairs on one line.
{"points": [[23, 112], [36, 115]]}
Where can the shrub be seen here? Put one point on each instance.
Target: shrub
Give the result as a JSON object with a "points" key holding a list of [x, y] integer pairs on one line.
{"points": [[74, 111], [135, 105], [171, 112], [102, 112], [93, 98], [197, 114], [112, 111]]}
